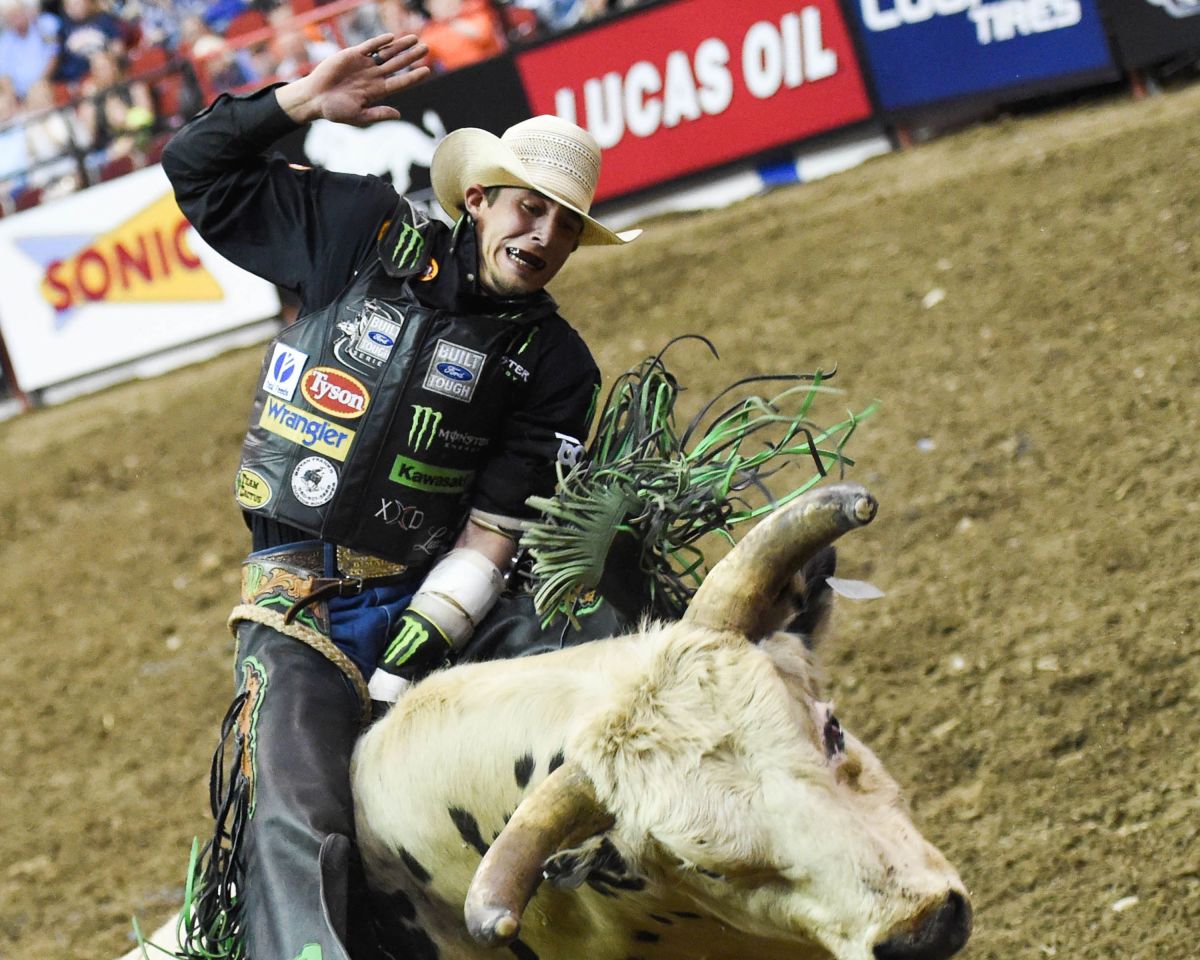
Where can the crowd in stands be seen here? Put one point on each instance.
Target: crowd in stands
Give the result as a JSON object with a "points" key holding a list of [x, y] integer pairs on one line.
{"points": [[91, 89]]}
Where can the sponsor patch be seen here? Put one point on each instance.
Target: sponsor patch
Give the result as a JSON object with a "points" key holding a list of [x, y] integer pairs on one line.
{"points": [[251, 490], [336, 393], [569, 450], [283, 372], [315, 433], [393, 513], [425, 428], [513, 370], [367, 340], [422, 429], [454, 371], [431, 270], [314, 481], [423, 476], [406, 253]]}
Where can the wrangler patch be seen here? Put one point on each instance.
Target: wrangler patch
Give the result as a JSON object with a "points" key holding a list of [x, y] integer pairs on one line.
{"points": [[310, 431]]}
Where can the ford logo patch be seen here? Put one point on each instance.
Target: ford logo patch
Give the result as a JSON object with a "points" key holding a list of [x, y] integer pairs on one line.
{"points": [[381, 338], [454, 372]]}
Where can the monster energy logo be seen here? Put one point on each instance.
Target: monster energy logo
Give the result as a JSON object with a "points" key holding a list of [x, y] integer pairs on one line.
{"points": [[423, 427], [410, 638], [409, 246]]}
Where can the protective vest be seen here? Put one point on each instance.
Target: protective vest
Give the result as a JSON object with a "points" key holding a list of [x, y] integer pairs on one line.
{"points": [[373, 415]]}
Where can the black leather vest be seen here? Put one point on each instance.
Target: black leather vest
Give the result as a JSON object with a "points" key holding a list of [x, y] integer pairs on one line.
{"points": [[373, 414]]}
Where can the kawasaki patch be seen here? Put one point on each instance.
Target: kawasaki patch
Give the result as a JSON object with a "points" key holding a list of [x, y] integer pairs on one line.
{"points": [[423, 476]]}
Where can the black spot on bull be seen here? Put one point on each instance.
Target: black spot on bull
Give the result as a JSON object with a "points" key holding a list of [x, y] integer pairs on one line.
{"points": [[645, 936], [610, 872], [522, 951], [556, 761], [523, 770], [394, 919], [686, 915], [657, 919], [468, 829], [419, 873]]}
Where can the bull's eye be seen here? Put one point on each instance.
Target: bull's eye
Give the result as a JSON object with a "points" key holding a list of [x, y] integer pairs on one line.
{"points": [[833, 738]]}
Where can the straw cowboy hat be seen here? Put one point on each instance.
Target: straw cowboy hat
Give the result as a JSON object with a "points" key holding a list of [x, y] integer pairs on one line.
{"points": [[546, 153]]}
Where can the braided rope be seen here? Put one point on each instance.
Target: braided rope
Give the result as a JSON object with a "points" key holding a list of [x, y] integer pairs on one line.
{"points": [[309, 637]]}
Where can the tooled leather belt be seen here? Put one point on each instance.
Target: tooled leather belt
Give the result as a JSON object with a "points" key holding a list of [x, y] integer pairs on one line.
{"points": [[292, 576]]}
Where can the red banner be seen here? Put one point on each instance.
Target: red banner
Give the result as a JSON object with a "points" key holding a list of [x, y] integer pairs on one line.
{"points": [[686, 86]]}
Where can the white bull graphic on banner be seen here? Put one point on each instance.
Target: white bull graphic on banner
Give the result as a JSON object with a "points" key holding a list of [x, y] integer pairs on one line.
{"points": [[682, 792], [392, 147]]}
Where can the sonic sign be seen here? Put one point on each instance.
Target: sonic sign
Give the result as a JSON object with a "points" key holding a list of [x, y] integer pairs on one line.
{"points": [[102, 278], [678, 88]]}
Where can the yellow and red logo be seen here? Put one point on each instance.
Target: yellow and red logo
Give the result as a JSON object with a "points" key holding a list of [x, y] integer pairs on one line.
{"points": [[146, 259], [335, 392]]}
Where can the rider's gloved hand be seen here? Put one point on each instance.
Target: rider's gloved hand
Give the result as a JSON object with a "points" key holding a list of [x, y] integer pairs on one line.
{"points": [[419, 647]]}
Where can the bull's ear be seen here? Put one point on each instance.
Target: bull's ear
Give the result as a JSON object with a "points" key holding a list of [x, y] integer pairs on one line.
{"points": [[812, 599], [804, 604], [595, 862]]}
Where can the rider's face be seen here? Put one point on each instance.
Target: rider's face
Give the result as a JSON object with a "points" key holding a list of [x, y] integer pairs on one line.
{"points": [[524, 238]]}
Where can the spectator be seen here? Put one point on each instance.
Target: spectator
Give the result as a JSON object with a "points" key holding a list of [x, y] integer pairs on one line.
{"points": [[461, 32], [118, 114], [191, 28], [296, 53], [400, 18], [220, 13], [220, 68], [28, 45], [161, 21], [295, 49], [52, 137], [86, 29], [556, 15], [14, 153]]}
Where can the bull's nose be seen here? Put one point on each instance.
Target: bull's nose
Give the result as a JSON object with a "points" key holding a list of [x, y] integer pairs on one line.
{"points": [[938, 933]]}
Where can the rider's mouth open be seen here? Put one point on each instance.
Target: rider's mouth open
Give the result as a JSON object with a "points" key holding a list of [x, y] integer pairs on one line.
{"points": [[525, 259]]}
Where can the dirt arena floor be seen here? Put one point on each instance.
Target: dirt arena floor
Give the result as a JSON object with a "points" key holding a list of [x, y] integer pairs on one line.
{"points": [[1021, 298]]}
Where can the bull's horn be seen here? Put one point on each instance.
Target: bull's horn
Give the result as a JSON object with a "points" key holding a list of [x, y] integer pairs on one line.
{"points": [[750, 577], [561, 812]]}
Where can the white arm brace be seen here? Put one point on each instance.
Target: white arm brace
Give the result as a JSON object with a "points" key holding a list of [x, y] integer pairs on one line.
{"points": [[458, 592]]}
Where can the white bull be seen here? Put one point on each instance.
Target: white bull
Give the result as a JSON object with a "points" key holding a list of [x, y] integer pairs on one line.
{"points": [[685, 791]]}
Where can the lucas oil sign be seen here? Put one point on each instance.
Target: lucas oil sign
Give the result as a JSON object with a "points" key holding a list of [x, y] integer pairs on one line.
{"points": [[681, 87]]}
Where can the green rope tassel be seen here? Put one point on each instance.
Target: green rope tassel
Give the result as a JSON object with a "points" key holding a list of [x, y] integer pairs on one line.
{"points": [[665, 490]]}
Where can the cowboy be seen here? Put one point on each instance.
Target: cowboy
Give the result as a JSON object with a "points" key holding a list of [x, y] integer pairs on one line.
{"points": [[428, 388]]}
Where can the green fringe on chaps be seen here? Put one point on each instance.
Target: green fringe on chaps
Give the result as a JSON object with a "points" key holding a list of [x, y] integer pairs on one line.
{"points": [[211, 923]]}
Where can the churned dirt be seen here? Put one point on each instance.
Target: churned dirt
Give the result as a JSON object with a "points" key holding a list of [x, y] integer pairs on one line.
{"points": [[1022, 299]]}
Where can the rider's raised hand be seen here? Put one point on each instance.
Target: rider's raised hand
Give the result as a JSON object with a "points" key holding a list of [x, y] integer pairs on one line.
{"points": [[347, 86]]}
